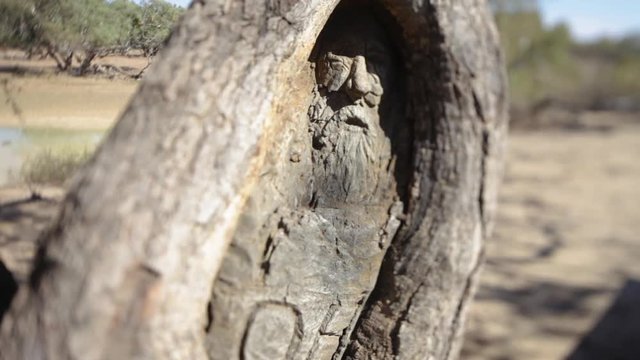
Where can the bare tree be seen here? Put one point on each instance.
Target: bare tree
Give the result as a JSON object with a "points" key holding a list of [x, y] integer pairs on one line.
{"points": [[348, 153]]}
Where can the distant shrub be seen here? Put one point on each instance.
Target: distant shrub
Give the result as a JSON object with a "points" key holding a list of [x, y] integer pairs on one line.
{"points": [[548, 63], [48, 167], [82, 30]]}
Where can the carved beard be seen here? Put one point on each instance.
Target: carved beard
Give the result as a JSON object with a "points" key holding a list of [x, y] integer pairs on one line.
{"points": [[346, 128]]}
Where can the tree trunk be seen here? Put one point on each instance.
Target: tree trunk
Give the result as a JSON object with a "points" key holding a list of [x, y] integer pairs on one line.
{"points": [[88, 58], [349, 154], [63, 60]]}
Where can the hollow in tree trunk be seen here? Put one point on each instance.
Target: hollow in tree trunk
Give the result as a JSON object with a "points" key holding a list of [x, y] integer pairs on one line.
{"points": [[293, 180]]}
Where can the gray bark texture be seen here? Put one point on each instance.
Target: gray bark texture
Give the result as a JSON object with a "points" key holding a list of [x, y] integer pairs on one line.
{"points": [[295, 179]]}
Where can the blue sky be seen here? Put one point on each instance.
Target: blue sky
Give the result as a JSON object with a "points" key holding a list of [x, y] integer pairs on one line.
{"points": [[184, 2], [588, 19]]}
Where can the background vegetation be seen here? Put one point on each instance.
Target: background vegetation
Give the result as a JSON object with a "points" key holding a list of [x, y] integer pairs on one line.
{"points": [[82, 30], [52, 167], [547, 65]]}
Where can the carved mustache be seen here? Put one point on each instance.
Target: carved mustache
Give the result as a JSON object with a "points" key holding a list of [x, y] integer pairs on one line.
{"points": [[353, 115]]}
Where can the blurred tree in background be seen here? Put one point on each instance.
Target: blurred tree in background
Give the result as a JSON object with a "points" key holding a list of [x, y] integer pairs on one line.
{"points": [[16, 23], [546, 64], [152, 24], [85, 29]]}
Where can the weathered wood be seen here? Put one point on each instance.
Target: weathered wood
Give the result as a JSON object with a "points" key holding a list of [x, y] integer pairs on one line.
{"points": [[311, 160], [312, 238], [457, 99]]}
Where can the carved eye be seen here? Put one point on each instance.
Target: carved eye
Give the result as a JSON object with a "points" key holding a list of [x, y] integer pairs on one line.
{"points": [[333, 71], [337, 65]]}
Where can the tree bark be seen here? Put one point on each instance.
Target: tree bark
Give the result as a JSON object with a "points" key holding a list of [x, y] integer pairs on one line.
{"points": [[354, 177], [63, 60], [88, 58]]}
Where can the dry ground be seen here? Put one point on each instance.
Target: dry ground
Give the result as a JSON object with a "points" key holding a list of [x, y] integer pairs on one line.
{"points": [[22, 218], [32, 95], [567, 239], [55, 101], [567, 235]]}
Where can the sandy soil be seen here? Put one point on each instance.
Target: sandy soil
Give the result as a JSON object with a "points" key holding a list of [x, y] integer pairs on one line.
{"points": [[40, 98], [567, 239], [22, 218], [62, 101]]}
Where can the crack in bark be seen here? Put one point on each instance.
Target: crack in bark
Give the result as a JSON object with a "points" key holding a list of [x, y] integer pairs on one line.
{"points": [[483, 179], [464, 299], [395, 338]]}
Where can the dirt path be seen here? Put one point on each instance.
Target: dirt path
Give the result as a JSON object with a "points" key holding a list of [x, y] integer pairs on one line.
{"points": [[567, 239]]}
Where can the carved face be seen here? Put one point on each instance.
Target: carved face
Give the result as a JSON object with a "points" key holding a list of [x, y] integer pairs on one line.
{"points": [[355, 56], [335, 72], [355, 60]]}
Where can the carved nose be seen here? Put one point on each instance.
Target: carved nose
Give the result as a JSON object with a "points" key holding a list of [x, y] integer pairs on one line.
{"points": [[360, 83]]}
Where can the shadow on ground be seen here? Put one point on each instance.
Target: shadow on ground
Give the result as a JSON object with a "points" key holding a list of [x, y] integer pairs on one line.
{"points": [[542, 298], [23, 215], [565, 244], [617, 335]]}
